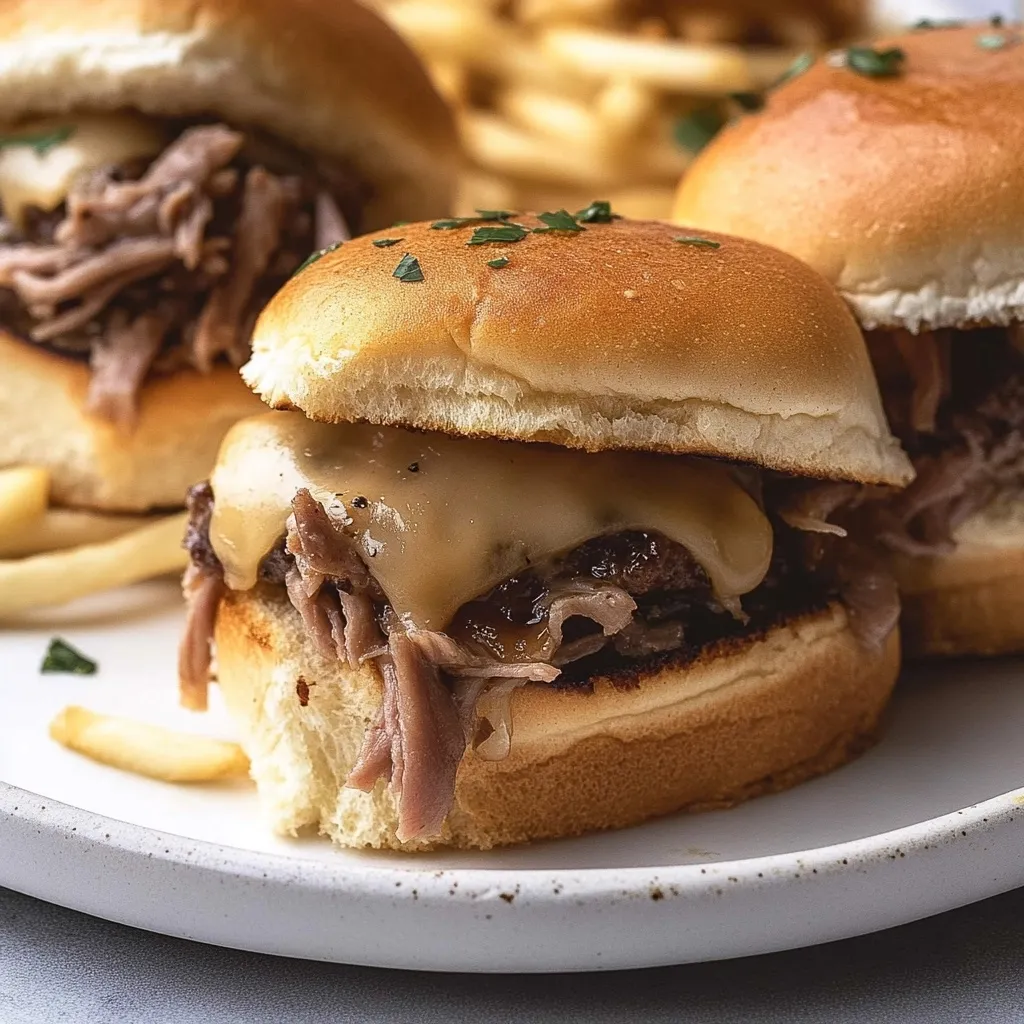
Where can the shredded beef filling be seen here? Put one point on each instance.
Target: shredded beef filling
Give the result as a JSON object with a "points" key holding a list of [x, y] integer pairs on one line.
{"points": [[145, 269], [955, 399], [612, 608]]}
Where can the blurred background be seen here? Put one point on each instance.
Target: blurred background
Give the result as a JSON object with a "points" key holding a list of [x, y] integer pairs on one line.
{"points": [[563, 101]]}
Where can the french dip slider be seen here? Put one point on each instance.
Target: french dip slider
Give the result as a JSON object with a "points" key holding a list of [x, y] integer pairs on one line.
{"points": [[895, 171], [164, 168], [539, 546]]}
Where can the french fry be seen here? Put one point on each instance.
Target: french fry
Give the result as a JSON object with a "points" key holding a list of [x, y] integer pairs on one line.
{"points": [[625, 107], [666, 64], [145, 749], [498, 146], [556, 117], [60, 529], [24, 491], [62, 576]]}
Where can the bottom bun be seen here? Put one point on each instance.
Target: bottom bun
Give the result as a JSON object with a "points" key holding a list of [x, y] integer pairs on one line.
{"points": [[750, 719], [970, 601], [93, 463]]}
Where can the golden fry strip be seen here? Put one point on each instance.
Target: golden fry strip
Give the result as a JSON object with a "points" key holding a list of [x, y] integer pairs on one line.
{"points": [[24, 491], [146, 749]]}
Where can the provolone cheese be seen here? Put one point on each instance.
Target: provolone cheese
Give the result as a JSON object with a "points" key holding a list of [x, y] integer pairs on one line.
{"points": [[32, 178], [441, 520]]}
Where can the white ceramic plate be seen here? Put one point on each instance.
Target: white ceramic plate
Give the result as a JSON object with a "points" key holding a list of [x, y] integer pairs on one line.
{"points": [[930, 819]]}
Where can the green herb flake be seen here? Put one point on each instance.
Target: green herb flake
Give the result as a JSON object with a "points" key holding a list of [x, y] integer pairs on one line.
{"points": [[802, 64], [500, 233], [694, 131], [750, 102], [41, 142], [558, 220], [703, 243], [991, 41], [400, 224], [499, 263], [62, 657], [313, 257], [408, 269], [386, 243], [930, 24], [865, 60], [598, 212], [452, 223]]}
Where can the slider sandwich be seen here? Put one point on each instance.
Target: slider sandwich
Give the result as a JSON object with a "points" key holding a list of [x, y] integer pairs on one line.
{"points": [[538, 542], [896, 171], [164, 168]]}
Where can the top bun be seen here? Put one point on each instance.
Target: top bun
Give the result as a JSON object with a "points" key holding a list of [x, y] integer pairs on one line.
{"points": [[618, 336], [904, 191], [325, 75]]}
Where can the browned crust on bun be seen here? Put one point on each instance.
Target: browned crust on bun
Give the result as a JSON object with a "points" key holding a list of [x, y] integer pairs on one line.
{"points": [[731, 725], [93, 463], [618, 336], [903, 190], [328, 76]]}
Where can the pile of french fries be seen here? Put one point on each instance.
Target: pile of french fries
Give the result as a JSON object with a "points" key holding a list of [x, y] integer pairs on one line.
{"points": [[52, 555], [559, 101]]}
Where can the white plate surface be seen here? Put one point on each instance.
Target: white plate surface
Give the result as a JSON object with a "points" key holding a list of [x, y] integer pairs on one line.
{"points": [[930, 819]]}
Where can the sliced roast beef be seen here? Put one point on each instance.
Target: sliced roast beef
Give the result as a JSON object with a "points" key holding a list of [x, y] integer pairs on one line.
{"points": [[206, 233], [614, 606], [956, 401]]}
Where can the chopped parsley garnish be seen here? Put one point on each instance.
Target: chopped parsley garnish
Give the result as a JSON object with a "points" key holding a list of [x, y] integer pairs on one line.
{"points": [[501, 261], [803, 63], [41, 142], [62, 657], [694, 131], [386, 243], [408, 271], [313, 257], [499, 233], [400, 224], [996, 21], [598, 212], [926, 24], [751, 102], [704, 243], [992, 41], [451, 223], [872, 63], [558, 220]]}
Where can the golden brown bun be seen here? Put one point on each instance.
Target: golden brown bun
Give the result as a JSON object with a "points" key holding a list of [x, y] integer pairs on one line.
{"points": [[615, 337], [182, 420], [904, 191], [327, 75], [735, 724], [970, 601]]}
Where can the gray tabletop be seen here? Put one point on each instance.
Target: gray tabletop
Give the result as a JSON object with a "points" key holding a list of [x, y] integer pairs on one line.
{"points": [[58, 965]]}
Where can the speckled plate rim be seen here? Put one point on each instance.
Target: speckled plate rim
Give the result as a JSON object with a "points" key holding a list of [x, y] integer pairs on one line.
{"points": [[505, 919]]}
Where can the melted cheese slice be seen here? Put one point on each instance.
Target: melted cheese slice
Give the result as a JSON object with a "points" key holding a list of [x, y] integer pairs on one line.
{"points": [[441, 520], [31, 178]]}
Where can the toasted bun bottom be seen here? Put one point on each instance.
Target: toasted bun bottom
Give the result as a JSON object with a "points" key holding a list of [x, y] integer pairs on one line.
{"points": [[93, 463], [751, 719], [970, 601]]}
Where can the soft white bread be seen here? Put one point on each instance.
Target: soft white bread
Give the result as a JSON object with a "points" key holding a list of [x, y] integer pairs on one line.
{"points": [[740, 721], [330, 77], [94, 464], [969, 601], [619, 336], [903, 191]]}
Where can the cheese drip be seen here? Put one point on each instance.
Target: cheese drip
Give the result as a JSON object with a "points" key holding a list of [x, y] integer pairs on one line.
{"points": [[441, 520], [32, 178]]}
